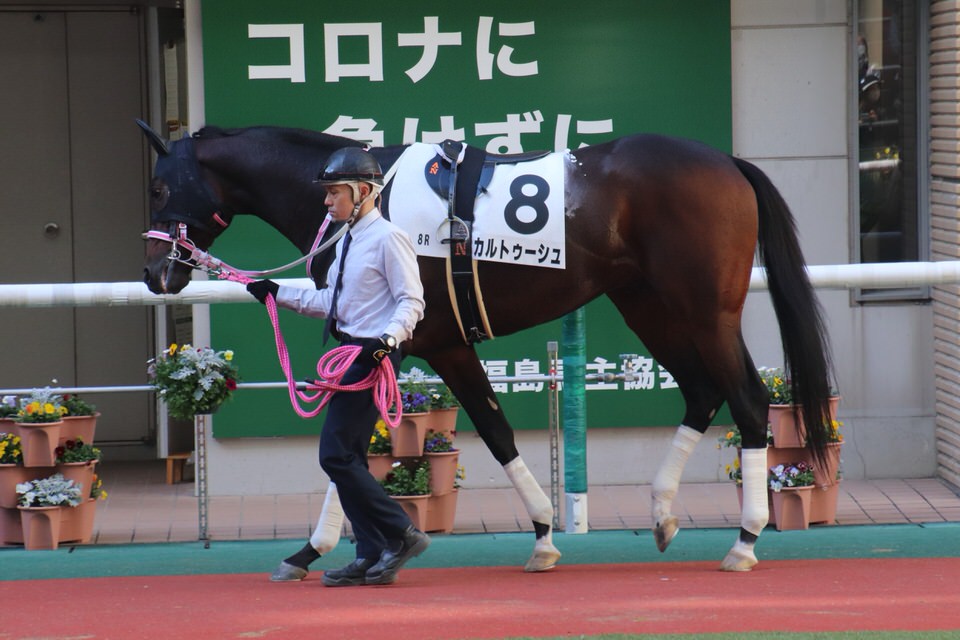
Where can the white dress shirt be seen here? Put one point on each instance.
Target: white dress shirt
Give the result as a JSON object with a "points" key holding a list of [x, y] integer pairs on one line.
{"points": [[381, 293]]}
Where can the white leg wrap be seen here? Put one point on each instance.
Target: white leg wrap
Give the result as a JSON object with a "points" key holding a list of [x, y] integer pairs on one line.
{"points": [[540, 509], [329, 524], [667, 480], [534, 499], [755, 511]]}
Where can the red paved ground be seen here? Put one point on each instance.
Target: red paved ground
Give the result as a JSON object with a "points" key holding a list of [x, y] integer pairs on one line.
{"points": [[497, 602]]}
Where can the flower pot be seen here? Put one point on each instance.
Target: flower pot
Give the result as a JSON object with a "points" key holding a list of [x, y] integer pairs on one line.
{"points": [[76, 523], [784, 420], [80, 472], [791, 507], [444, 421], [10, 476], [823, 506], [380, 464], [443, 471], [82, 427], [38, 442], [41, 527], [11, 530], [825, 473], [416, 509], [441, 511], [407, 439]]}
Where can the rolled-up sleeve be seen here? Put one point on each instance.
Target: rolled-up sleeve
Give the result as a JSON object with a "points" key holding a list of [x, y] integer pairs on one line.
{"points": [[314, 303]]}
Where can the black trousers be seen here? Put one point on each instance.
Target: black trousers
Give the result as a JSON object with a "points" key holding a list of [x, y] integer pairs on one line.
{"points": [[351, 416]]}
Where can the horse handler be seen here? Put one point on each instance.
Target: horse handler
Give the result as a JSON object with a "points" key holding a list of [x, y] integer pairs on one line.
{"points": [[375, 291]]}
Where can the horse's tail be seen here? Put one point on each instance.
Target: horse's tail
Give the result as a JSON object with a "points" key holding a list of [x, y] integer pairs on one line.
{"points": [[807, 358]]}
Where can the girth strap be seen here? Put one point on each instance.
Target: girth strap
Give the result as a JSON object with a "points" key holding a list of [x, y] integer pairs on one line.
{"points": [[462, 283]]}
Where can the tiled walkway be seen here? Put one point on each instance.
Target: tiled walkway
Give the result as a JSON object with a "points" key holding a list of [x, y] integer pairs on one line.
{"points": [[142, 508]]}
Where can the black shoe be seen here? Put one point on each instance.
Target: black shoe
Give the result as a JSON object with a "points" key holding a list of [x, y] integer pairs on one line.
{"points": [[348, 576], [413, 543]]}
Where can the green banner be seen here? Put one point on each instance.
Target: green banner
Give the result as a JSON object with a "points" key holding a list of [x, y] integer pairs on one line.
{"points": [[507, 76]]}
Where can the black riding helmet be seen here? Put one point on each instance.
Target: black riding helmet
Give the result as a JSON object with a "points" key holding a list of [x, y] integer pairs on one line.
{"points": [[351, 164]]}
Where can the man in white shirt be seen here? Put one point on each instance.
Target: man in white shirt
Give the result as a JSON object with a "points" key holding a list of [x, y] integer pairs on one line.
{"points": [[374, 299]]}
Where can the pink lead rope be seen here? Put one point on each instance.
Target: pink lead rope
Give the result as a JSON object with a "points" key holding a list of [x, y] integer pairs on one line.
{"points": [[331, 367]]}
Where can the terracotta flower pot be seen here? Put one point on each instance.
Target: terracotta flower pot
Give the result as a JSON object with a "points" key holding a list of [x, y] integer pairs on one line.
{"points": [[11, 529], [785, 419], [38, 442], [82, 427], [791, 507], [444, 421], [443, 471], [823, 506], [380, 464], [41, 527], [10, 476], [81, 473], [825, 473], [441, 511], [76, 523], [416, 509], [407, 439]]}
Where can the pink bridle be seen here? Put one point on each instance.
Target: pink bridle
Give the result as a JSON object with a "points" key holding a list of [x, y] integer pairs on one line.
{"points": [[331, 367]]}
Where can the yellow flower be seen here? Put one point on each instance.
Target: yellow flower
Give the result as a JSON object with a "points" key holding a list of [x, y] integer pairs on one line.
{"points": [[729, 434], [185, 347], [173, 349], [49, 409], [228, 355]]}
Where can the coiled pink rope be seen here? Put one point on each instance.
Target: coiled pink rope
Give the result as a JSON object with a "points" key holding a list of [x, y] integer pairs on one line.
{"points": [[331, 368], [330, 371]]}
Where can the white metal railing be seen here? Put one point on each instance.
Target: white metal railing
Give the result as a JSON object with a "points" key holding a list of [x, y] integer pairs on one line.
{"points": [[127, 294]]}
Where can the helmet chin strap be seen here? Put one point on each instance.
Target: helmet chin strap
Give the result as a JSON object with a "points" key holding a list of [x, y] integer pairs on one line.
{"points": [[355, 186]]}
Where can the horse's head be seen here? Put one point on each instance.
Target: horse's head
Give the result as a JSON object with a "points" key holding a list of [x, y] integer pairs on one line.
{"points": [[184, 210]]}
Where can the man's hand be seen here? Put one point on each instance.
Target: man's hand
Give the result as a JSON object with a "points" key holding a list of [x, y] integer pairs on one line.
{"points": [[260, 288], [372, 351]]}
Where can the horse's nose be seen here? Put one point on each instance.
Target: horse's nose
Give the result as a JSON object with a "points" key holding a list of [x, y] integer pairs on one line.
{"points": [[146, 276]]}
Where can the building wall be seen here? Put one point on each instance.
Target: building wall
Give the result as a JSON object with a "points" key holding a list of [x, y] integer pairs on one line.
{"points": [[945, 228], [792, 117]]}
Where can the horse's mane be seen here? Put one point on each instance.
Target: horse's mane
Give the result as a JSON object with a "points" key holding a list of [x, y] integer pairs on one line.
{"points": [[299, 137]]}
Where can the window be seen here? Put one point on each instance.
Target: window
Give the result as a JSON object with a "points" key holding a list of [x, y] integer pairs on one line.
{"points": [[891, 151]]}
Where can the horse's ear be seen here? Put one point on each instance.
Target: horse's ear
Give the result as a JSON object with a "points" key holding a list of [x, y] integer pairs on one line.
{"points": [[156, 140]]}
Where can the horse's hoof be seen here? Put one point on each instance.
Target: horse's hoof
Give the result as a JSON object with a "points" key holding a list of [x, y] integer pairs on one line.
{"points": [[543, 558], [665, 531], [286, 572], [739, 560]]}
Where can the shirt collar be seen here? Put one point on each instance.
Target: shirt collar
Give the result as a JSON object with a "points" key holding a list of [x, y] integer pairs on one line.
{"points": [[372, 216]]}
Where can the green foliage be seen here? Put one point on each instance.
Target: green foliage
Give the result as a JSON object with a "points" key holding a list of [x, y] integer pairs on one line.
{"points": [[76, 451], [380, 440], [401, 481], [54, 491], [77, 406], [436, 443], [192, 381]]}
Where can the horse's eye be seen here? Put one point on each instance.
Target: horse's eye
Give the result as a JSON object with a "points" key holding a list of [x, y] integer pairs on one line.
{"points": [[159, 196]]}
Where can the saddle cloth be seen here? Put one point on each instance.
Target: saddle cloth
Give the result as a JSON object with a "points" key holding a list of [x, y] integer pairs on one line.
{"points": [[518, 214]]}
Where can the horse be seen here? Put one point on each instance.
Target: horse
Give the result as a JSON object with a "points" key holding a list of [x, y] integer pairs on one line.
{"points": [[666, 228]]}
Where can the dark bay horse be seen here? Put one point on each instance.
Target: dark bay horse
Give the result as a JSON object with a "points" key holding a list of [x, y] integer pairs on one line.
{"points": [[666, 228]]}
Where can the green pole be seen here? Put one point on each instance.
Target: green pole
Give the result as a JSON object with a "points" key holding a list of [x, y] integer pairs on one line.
{"points": [[575, 420]]}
